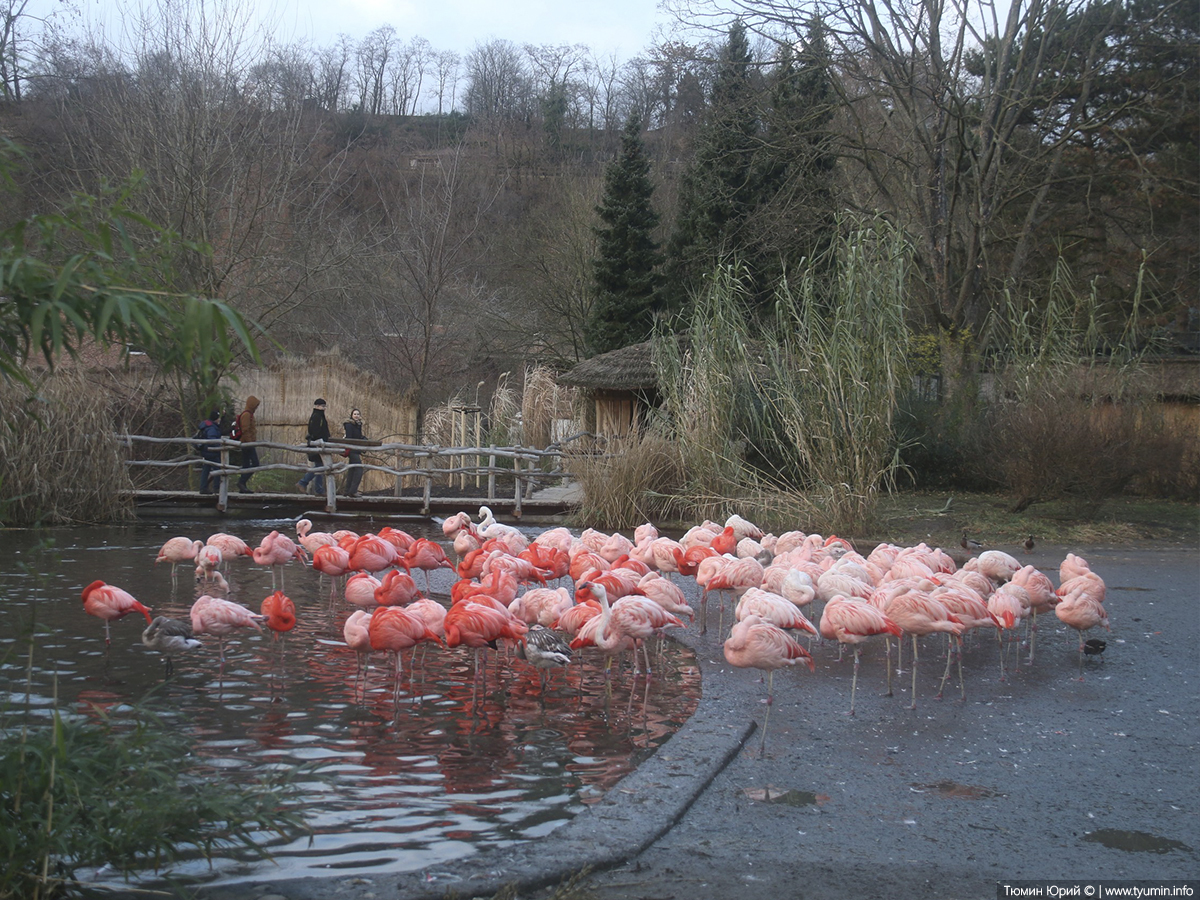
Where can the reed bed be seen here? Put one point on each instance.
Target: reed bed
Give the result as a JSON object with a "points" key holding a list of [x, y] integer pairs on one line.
{"points": [[631, 480], [795, 418], [60, 462]]}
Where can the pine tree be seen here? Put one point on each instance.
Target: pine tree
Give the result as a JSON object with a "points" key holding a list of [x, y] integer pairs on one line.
{"points": [[625, 273], [719, 189]]}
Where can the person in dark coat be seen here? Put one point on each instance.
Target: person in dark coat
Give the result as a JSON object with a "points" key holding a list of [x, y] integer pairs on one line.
{"points": [[353, 428], [318, 430], [209, 430], [247, 431]]}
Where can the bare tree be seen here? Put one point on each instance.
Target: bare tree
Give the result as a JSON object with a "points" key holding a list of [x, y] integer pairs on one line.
{"points": [[447, 67], [370, 73], [957, 114], [498, 82], [332, 73], [246, 181]]}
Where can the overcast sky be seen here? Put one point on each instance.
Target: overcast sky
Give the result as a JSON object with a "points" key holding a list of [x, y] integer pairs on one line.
{"points": [[625, 27]]}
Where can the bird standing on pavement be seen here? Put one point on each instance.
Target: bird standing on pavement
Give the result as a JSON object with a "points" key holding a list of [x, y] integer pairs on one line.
{"points": [[970, 544], [756, 644]]}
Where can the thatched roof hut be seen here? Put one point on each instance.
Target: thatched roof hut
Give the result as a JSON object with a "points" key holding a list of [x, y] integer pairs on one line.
{"points": [[623, 384]]}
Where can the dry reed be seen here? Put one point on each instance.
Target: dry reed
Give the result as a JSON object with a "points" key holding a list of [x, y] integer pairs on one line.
{"points": [[60, 461], [632, 480]]}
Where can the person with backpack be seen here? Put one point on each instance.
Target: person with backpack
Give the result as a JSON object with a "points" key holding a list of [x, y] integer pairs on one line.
{"points": [[209, 430], [318, 430], [246, 430]]}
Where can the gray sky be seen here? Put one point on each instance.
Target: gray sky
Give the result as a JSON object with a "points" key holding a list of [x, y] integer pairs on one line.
{"points": [[625, 27]]}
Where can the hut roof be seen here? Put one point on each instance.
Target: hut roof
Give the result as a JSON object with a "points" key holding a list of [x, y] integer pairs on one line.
{"points": [[627, 369]]}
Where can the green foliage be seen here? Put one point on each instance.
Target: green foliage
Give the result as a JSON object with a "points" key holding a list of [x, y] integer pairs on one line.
{"points": [[626, 270], [84, 792]]}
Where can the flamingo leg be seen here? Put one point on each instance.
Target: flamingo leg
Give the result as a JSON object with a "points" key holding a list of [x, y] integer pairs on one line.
{"points": [[1000, 642], [888, 643], [704, 611], [1081, 656], [946, 674], [762, 747], [854, 680], [1032, 637], [914, 674], [962, 688]]}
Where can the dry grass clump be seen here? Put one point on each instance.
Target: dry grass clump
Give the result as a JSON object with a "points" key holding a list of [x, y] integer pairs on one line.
{"points": [[630, 481], [542, 402], [59, 457]]}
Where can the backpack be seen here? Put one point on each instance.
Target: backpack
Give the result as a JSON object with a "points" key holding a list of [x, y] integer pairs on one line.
{"points": [[236, 431]]}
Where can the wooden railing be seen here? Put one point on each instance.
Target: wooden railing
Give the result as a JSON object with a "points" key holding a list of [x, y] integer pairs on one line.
{"points": [[420, 465]]}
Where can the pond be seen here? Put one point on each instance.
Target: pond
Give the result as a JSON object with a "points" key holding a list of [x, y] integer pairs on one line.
{"points": [[402, 782]]}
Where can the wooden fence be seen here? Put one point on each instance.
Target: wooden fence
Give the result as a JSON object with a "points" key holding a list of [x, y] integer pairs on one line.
{"points": [[412, 464]]}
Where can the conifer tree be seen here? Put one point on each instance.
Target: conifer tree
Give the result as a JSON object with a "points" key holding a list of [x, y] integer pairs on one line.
{"points": [[625, 273]]}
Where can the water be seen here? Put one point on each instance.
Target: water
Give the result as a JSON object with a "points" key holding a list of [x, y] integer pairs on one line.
{"points": [[452, 765]]}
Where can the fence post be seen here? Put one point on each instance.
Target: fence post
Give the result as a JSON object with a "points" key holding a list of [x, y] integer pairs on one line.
{"points": [[330, 483], [517, 487], [223, 489], [399, 489], [428, 483], [492, 473]]}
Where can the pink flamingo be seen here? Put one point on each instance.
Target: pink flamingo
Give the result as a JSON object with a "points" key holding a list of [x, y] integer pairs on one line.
{"points": [[361, 588], [212, 615], [426, 555], [371, 553], [756, 644], [108, 602], [394, 629], [279, 612], [917, 614], [477, 625], [313, 540], [231, 546], [276, 550], [851, 621], [396, 589], [178, 550], [631, 619], [1082, 607], [356, 631], [735, 576]]}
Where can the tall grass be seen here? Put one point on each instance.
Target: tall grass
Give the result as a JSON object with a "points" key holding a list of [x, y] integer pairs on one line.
{"points": [[1072, 412], [794, 419], [636, 479], [59, 458]]}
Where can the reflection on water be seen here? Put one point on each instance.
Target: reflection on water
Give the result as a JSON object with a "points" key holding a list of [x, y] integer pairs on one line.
{"points": [[449, 764]]}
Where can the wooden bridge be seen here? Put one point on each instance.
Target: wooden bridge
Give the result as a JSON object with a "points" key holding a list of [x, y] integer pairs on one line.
{"points": [[424, 480]]}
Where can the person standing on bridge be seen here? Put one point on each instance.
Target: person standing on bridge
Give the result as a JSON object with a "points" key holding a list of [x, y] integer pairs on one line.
{"points": [[209, 430], [354, 431], [318, 430], [246, 430]]}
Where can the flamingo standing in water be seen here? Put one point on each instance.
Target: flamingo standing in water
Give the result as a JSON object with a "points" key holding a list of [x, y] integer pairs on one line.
{"points": [[395, 629], [178, 550], [426, 555], [756, 644], [108, 602], [1081, 605], [357, 632], [169, 636], [276, 550], [212, 615], [280, 613]]}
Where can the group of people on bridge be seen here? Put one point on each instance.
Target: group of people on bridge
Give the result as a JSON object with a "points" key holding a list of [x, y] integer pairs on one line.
{"points": [[244, 429]]}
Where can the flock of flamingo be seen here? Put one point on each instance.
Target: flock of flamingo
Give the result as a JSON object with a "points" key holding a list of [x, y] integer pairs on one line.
{"points": [[625, 592]]}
